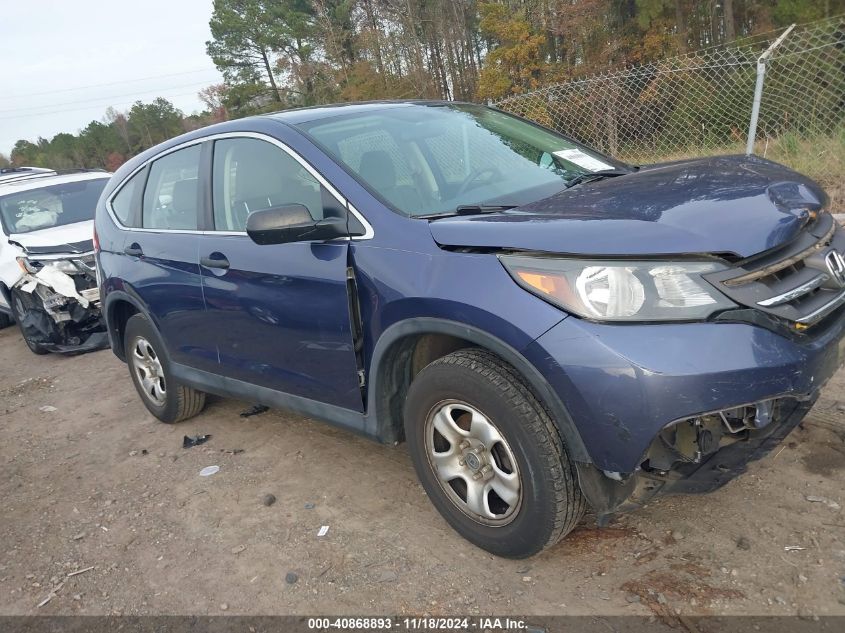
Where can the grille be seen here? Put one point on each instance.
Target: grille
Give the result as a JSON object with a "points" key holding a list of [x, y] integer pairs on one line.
{"points": [[803, 282]]}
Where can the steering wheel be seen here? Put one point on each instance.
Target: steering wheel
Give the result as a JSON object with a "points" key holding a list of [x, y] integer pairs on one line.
{"points": [[476, 175]]}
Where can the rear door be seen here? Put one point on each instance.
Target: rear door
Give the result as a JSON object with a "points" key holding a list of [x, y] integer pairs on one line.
{"points": [[163, 253], [280, 313]]}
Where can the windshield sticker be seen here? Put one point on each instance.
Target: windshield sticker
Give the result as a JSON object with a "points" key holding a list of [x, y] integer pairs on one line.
{"points": [[581, 159]]}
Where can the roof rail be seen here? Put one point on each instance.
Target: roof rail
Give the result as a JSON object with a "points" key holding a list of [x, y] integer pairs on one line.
{"points": [[80, 170], [25, 170]]}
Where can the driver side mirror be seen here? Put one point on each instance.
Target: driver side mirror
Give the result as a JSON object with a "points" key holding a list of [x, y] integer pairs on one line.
{"points": [[292, 223]]}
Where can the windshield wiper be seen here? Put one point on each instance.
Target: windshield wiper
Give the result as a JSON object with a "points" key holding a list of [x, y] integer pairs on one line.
{"points": [[472, 209], [594, 175], [469, 209]]}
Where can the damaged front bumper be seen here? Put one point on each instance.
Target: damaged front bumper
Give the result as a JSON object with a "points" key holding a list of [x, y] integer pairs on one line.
{"points": [[694, 456], [680, 408], [61, 304]]}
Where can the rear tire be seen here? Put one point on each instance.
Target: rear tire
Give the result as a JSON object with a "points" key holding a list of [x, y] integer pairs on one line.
{"points": [[22, 303], [505, 459], [5, 320], [166, 398]]}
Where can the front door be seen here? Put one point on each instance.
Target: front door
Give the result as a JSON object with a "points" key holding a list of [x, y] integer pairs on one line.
{"points": [[280, 313]]}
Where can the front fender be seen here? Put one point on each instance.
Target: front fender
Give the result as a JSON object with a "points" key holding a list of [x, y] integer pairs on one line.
{"points": [[379, 420]]}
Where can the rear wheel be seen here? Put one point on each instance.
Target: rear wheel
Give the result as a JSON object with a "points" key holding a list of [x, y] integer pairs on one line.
{"points": [[5, 320], [489, 456], [23, 305], [166, 398]]}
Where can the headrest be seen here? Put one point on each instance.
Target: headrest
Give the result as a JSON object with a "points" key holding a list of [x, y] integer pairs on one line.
{"points": [[184, 196], [377, 170]]}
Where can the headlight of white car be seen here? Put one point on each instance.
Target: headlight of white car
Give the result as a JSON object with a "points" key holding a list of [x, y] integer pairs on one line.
{"points": [[63, 265], [621, 290]]}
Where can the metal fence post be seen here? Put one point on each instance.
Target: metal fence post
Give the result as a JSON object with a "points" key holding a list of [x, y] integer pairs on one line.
{"points": [[758, 89]]}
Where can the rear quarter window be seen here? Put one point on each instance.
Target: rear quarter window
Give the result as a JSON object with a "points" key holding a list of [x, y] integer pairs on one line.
{"points": [[123, 204]]}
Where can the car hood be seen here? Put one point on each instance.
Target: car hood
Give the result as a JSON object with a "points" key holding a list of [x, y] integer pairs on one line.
{"points": [[69, 238], [738, 205]]}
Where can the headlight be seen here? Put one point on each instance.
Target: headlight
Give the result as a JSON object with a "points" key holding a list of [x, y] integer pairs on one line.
{"points": [[33, 266], [64, 265], [621, 290], [25, 266]]}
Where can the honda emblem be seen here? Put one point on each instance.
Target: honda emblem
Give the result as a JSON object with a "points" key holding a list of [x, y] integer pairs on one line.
{"points": [[836, 266]]}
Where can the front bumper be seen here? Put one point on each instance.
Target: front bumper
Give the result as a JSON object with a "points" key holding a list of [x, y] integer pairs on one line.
{"points": [[61, 311], [623, 384]]}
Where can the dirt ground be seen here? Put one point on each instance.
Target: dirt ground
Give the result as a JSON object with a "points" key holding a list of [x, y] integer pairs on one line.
{"points": [[97, 486]]}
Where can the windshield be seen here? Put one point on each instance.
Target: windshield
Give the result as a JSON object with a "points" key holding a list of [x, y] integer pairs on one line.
{"points": [[427, 160], [53, 205]]}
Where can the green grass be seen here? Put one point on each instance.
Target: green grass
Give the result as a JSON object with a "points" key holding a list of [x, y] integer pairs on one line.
{"points": [[821, 157]]}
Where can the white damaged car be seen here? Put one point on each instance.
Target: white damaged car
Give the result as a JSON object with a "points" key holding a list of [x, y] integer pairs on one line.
{"points": [[48, 281]]}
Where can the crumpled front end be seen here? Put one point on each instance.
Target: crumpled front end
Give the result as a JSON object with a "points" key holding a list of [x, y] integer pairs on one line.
{"points": [[697, 455], [61, 303], [681, 408]]}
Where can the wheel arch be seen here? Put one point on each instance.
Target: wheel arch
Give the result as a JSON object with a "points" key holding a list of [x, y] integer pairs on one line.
{"points": [[118, 309], [406, 347]]}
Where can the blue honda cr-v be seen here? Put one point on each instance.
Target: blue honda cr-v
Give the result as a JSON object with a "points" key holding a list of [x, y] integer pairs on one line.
{"points": [[547, 327]]}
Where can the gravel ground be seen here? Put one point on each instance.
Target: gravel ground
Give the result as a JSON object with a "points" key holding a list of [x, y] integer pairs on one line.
{"points": [[104, 512]]}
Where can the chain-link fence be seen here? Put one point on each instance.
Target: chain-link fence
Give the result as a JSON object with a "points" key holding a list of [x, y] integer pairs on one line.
{"points": [[701, 103]]}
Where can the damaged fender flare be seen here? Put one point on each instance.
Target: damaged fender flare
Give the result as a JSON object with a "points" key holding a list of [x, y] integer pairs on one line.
{"points": [[378, 408]]}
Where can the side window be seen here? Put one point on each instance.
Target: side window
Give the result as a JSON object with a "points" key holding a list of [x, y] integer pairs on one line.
{"points": [[250, 175], [170, 199], [121, 204]]}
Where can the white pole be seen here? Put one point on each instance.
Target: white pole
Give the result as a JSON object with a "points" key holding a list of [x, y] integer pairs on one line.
{"points": [[758, 89]]}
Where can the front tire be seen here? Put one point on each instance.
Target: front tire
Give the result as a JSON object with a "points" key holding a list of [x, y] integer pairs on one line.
{"points": [[166, 398], [22, 304], [489, 456]]}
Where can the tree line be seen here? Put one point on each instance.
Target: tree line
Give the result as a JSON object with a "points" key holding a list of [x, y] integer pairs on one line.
{"points": [[277, 54], [107, 144], [305, 52]]}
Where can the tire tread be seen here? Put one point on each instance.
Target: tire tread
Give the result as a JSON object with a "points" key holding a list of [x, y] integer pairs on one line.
{"points": [[190, 401], [570, 504]]}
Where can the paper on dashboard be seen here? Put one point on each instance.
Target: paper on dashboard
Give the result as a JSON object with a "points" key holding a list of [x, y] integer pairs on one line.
{"points": [[581, 159]]}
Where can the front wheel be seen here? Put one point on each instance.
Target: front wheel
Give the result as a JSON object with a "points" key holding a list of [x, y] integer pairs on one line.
{"points": [[489, 456], [166, 398], [27, 312]]}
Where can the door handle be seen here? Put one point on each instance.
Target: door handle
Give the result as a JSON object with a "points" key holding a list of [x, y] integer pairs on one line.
{"points": [[134, 250], [215, 260]]}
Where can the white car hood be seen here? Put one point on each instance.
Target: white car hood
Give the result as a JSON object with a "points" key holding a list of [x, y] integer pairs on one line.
{"points": [[55, 237]]}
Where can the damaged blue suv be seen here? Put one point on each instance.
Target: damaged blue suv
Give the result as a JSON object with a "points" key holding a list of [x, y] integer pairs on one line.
{"points": [[548, 328]]}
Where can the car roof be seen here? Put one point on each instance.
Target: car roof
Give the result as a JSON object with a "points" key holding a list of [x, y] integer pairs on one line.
{"points": [[47, 179], [303, 115]]}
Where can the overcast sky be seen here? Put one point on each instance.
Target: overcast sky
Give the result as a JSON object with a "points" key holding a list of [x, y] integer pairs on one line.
{"points": [[63, 62]]}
